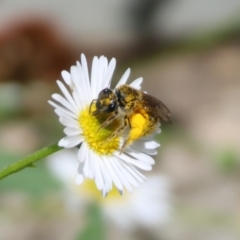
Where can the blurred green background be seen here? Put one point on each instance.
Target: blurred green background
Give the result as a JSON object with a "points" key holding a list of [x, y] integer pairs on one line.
{"points": [[188, 53]]}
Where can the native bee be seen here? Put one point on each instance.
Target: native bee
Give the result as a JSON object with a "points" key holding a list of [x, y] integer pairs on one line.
{"points": [[141, 112]]}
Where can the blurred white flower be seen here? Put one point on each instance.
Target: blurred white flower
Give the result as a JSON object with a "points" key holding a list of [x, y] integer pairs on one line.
{"points": [[98, 161], [147, 206]]}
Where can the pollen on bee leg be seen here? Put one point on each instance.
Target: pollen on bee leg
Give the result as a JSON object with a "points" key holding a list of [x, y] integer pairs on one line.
{"points": [[138, 125]]}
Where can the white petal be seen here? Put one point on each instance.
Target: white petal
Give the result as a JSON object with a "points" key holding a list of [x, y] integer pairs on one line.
{"points": [[121, 174], [128, 175], [98, 175], [113, 175], [152, 136], [100, 72], [63, 110], [124, 78], [108, 76], [85, 68], [141, 156], [91, 157], [77, 86], [139, 148], [69, 122], [94, 78], [79, 179], [151, 144], [70, 131], [140, 177], [63, 102], [137, 83], [66, 77], [69, 142], [67, 95], [146, 144], [86, 168], [106, 176], [134, 162], [86, 95], [150, 151], [82, 152]]}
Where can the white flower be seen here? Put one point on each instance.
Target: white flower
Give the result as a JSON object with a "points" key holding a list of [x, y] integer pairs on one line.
{"points": [[102, 162], [147, 206]]}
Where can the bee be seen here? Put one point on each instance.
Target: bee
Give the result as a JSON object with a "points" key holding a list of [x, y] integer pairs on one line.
{"points": [[140, 112]]}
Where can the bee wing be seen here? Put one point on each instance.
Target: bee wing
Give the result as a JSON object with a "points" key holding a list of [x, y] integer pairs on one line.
{"points": [[157, 108]]}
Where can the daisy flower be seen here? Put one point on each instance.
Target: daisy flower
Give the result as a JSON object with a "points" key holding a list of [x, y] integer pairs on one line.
{"points": [[99, 160], [147, 206]]}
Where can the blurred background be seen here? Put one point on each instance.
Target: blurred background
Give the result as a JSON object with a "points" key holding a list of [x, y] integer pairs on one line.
{"points": [[188, 53]]}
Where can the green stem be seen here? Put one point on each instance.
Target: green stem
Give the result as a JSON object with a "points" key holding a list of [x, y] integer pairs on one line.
{"points": [[29, 160]]}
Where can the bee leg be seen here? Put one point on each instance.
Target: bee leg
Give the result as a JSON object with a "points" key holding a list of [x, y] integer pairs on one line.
{"points": [[136, 131], [108, 120], [125, 144], [118, 131]]}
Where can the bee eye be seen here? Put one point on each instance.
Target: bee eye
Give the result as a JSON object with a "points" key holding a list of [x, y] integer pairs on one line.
{"points": [[104, 93], [107, 91], [112, 106], [120, 97]]}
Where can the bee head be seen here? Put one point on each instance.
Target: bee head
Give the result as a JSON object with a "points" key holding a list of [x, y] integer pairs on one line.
{"points": [[106, 102]]}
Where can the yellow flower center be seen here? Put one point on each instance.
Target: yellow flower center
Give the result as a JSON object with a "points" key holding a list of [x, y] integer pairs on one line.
{"points": [[98, 139]]}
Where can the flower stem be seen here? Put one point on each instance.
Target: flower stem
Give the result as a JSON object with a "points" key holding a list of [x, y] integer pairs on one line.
{"points": [[29, 160]]}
